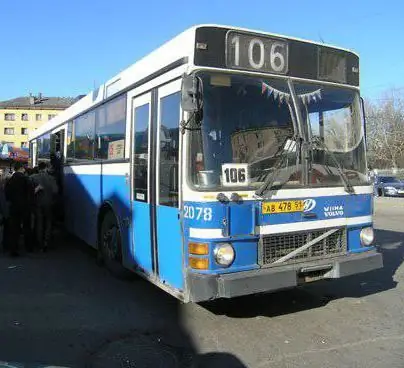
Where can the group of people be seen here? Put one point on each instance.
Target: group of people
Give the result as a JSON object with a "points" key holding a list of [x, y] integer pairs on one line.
{"points": [[26, 204]]}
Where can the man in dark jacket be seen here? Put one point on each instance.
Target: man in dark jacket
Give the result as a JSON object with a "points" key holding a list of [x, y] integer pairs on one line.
{"points": [[18, 191], [45, 192]]}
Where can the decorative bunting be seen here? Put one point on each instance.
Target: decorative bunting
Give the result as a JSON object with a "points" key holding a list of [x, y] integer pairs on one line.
{"points": [[282, 96]]}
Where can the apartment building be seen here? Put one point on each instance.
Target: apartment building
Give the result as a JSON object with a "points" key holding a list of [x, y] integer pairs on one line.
{"points": [[21, 115]]}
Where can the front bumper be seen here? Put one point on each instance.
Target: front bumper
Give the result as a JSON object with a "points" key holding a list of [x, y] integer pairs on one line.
{"points": [[204, 287]]}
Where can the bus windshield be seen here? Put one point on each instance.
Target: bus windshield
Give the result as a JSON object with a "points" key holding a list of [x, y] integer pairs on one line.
{"points": [[248, 130]]}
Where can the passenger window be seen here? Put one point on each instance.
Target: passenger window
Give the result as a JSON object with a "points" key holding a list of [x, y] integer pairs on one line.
{"points": [[168, 148], [70, 141], [84, 137], [141, 116], [111, 129], [44, 147]]}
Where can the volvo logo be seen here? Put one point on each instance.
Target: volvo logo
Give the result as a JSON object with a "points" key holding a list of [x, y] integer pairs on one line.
{"points": [[309, 205]]}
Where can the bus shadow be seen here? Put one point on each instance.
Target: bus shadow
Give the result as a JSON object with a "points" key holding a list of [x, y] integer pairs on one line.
{"points": [[317, 295], [60, 309], [169, 342]]}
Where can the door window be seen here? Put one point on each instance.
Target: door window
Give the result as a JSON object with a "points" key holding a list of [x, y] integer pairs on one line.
{"points": [[169, 140], [142, 114]]}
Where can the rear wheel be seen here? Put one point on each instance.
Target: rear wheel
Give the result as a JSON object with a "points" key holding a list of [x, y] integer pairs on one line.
{"points": [[110, 246], [381, 193]]}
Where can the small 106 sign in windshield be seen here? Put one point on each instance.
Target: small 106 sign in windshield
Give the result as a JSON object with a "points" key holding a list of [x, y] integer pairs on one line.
{"points": [[258, 53]]}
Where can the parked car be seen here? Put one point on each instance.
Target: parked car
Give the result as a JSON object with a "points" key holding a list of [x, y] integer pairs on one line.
{"points": [[389, 186]]}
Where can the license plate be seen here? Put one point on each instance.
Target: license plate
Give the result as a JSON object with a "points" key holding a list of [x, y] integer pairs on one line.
{"points": [[282, 207]]}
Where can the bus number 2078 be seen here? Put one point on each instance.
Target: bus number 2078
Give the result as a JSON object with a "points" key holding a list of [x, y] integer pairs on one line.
{"points": [[198, 213]]}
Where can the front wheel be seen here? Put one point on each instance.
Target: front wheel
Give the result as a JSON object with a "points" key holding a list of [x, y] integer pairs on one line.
{"points": [[110, 246]]}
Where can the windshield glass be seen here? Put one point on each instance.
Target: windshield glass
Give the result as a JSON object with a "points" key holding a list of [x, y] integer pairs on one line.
{"points": [[333, 116], [248, 130]]}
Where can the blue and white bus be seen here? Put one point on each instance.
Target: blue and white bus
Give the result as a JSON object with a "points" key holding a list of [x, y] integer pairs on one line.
{"points": [[227, 162]]}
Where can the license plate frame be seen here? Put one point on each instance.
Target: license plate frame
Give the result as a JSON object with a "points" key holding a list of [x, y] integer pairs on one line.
{"points": [[277, 207]]}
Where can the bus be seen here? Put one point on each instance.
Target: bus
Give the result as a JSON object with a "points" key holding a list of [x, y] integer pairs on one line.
{"points": [[225, 163]]}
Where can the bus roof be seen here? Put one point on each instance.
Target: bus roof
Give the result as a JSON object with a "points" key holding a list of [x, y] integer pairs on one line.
{"points": [[179, 48]]}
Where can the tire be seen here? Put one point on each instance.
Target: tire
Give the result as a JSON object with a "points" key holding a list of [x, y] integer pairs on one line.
{"points": [[110, 247], [381, 193]]}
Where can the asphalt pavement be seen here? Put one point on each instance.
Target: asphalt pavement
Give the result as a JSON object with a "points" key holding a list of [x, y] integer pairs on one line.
{"points": [[61, 309]]}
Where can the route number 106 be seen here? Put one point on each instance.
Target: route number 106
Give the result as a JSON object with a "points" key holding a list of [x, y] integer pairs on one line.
{"points": [[257, 53]]}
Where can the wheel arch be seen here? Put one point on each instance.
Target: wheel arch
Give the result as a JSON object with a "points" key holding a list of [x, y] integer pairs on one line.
{"points": [[104, 209]]}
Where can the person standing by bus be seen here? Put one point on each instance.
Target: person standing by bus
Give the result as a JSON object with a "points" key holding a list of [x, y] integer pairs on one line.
{"points": [[45, 192], [3, 213], [18, 192]]}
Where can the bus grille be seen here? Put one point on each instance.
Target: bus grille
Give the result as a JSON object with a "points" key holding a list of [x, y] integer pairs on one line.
{"points": [[274, 247]]}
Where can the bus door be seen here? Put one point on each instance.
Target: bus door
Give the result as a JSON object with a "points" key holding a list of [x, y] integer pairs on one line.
{"points": [[168, 230], [142, 192], [157, 240]]}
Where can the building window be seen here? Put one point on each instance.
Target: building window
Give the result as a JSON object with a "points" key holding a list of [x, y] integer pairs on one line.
{"points": [[24, 131], [24, 117], [9, 117], [8, 131], [38, 117], [24, 144], [51, 116]]}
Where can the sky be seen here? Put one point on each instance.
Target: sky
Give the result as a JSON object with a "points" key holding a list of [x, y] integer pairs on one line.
{"points": [[66, 48]]}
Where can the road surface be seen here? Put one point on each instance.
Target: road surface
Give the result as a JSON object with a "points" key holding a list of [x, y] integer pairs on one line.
{"points": [[61, 309]]}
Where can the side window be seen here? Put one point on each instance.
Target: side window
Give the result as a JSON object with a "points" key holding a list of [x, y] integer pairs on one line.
{"points": [[44, 147], [141, 116], [84, 137], [111, 129], [70, 141], [169, 140], [33, 152]]}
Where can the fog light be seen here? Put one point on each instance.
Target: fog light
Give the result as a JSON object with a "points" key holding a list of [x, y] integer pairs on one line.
{"points": [[199, 263], [367, 236], [224, 254]]}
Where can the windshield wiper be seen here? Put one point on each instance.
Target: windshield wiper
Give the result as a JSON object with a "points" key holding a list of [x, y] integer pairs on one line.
{"points": [[348, 186], [269, 181]]}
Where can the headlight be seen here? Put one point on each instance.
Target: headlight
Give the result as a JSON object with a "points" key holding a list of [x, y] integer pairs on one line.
{"points": [[367, 236], [224, 254], [391, 189]]}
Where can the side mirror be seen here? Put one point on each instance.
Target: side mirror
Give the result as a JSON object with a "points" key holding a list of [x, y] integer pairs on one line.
{"points": [[191, 94]]}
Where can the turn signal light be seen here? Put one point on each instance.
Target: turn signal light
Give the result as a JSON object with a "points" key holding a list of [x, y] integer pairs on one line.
{"points": [[200, 249], [199, 263]]}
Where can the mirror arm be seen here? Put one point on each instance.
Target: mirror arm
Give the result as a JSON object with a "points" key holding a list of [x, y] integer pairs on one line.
{"points": [[364, 117]]}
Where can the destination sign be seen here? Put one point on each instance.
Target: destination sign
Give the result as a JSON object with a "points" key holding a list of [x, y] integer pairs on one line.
{"points": [[226, 48]]}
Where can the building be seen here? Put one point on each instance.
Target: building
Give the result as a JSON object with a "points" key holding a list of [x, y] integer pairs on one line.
{"points": [[21, 115]]}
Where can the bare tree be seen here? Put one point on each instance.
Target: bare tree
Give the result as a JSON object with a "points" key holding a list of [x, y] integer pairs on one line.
{"points": [[385, 130]]}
